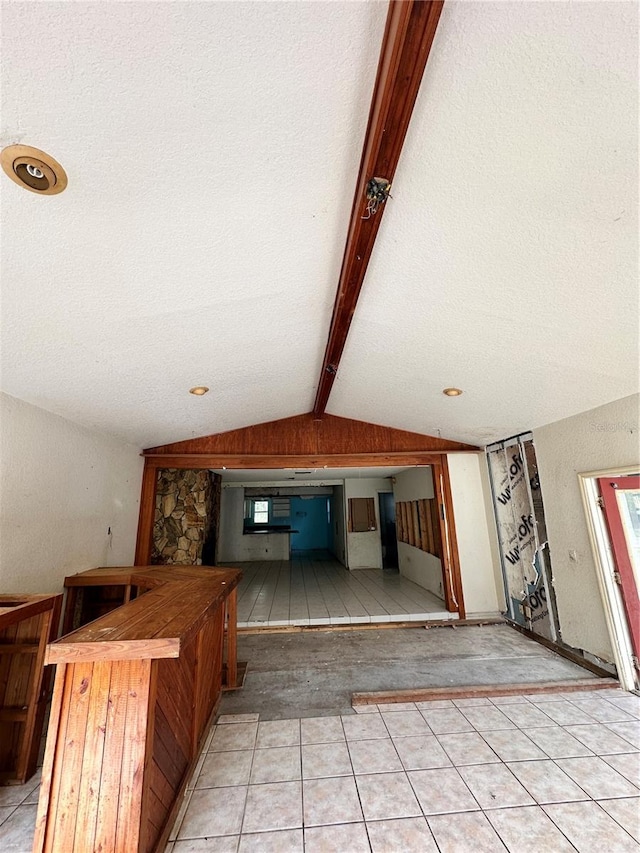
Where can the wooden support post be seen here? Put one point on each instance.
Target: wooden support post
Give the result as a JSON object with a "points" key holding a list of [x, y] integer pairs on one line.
{"points": [[449, 550], [147, 513]]}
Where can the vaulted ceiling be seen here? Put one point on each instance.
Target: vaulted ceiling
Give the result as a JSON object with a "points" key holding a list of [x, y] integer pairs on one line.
{"points": [[212, 151]]}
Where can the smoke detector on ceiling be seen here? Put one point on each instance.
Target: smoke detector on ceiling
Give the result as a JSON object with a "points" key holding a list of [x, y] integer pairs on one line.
{"points": [[33, 169]]}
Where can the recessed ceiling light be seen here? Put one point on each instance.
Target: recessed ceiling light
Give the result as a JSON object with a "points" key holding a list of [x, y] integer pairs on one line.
{"points": [[199, 390], [34, 170], [452, 392]]}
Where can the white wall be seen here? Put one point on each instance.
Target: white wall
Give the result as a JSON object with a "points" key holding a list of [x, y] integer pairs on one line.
{"points": [[479, 565], [364, 550], [62, 487], [424, 569], [492, 532], [233, 545], [606, 437]]}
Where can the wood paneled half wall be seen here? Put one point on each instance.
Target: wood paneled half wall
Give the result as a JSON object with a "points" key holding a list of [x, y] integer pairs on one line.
{"points": [[135, 692]]}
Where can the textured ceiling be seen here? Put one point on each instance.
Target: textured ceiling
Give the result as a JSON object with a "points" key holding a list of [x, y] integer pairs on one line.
{"points": [[212, 150]]}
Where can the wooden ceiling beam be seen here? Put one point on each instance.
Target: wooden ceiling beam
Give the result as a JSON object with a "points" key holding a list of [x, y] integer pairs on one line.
{"points": [[409, 33]]}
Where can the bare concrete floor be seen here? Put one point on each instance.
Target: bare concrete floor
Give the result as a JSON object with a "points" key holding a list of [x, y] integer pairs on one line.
{"points": [[313, 674]]}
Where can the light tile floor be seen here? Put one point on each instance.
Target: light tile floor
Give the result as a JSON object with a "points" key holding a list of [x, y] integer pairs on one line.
{"points": [[321, 591], [409, 778], [451, 776]]}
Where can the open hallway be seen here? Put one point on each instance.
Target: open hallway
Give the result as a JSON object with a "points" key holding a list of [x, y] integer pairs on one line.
{"points": [[316, 589]]}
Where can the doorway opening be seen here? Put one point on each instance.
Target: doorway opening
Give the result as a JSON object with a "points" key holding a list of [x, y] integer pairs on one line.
{"points": [[612, 507], [316, 546], [320, 546], [388, 532]]}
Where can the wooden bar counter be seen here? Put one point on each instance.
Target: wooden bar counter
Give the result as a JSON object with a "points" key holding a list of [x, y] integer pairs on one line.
{"points": [[134, 694], [27, 624]]}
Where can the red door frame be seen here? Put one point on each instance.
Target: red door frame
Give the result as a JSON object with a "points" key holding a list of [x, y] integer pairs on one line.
{"points": [[609, 486]]}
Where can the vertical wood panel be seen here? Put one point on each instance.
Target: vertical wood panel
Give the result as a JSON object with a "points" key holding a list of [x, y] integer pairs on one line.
{"points": [[306, 436], [76, 709], [448, 529], [92, 761], [399, 522], [133, 756], [435, 527], [149, 828], [415, 519], [39, 692], [403, 521], [425, 525], [50, 784], [147, 513], [105, 837]]}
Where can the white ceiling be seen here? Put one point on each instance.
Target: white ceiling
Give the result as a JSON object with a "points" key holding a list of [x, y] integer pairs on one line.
{"points": [[212, 150]]}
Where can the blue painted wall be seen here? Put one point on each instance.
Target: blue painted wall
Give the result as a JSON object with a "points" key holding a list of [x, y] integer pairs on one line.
{"points": [[309, 517]]}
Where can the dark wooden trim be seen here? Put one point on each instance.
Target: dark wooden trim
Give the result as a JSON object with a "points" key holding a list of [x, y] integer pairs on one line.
{"points": [[147, 513], [453, 596], [328, 461], [24, 606], [369, 626], [561, 650], [429, 694], [450, 529], [409, 33]]}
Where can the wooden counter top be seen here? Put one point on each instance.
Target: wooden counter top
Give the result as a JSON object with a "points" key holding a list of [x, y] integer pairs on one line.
{"points": [[154, 625], [14, 608]]}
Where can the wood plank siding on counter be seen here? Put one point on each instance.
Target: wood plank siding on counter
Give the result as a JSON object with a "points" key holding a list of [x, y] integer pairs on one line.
{"points": [[134, 695], [27, 624]]}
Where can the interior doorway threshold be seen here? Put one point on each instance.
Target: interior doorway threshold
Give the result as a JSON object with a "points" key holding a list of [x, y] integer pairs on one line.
{"points": [[359, 621], [452, 622]]}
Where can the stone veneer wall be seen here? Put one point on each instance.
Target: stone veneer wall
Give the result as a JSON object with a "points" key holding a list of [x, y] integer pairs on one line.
{"points": [[184, 516]]}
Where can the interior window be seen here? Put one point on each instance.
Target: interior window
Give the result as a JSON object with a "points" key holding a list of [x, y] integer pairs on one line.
{"points": [[362, 515], [261, 512]]}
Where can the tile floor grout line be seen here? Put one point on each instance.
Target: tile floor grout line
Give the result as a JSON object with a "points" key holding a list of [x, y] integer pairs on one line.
{"points": [[615, 819], [348, 724]]}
